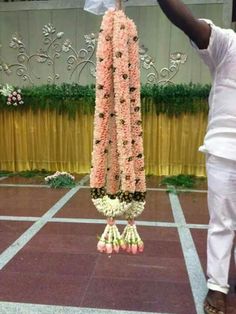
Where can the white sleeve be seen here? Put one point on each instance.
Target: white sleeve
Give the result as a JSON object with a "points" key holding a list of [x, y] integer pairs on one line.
{"points": [[99, 7], [218, 46]]}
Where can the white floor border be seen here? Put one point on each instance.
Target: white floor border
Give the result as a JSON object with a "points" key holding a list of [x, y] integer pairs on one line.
{"points": [[88, 187], [24, 308], [193, 264], [141, 223]]}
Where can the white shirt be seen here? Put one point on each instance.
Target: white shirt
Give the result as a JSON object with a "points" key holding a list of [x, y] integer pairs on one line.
{"points": [[220, 56]]}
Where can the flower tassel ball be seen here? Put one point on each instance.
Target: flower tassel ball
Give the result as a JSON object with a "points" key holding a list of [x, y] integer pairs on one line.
{"points": [[117, 178]]}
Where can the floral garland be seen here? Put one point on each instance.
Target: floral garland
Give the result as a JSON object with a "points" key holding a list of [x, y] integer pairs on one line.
{"points": [[117, 176]]}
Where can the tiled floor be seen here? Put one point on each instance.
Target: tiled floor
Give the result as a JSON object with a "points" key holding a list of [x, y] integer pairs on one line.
{"points": [[10, 231], [60, 268]]}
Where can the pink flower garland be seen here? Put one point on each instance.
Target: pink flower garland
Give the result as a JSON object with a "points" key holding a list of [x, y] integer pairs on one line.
{"points": [[136, 120], [117, 176], [104, 88], [122, 101]]}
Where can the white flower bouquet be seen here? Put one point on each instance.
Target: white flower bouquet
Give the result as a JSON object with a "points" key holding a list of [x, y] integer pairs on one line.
{"points": [[14, 97], [60, 180]]}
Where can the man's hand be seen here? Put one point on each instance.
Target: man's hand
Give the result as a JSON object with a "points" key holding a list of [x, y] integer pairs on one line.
{"points": [[179, 14]]}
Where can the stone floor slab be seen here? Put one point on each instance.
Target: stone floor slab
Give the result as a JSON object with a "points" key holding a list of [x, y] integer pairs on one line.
{"points": [[195, 208], [28, 201], [139, 295], [10, 231]]}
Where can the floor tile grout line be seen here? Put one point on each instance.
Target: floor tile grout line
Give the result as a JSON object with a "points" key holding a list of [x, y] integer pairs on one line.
{"points": [[178, 190], [19, 218], [118, 222], [197, 226], [193, 264], [17, 308], [163, 189], [88, 187], [15, 247], [88, 283], [141, 223], [192, 191], [11, 185]]}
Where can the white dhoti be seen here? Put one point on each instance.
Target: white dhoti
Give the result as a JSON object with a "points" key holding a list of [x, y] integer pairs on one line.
{"points": [[221, 174]]}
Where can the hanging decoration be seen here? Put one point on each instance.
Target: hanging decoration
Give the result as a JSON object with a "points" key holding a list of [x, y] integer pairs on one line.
{"points": [[117, 179]]}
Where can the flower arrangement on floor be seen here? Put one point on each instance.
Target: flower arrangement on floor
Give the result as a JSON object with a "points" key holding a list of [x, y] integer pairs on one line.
{"points": [[60, 180], [14, 97], [117, 178]]}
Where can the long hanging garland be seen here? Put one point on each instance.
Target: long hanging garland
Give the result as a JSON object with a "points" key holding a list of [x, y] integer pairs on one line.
{"points": [[117, 178]]}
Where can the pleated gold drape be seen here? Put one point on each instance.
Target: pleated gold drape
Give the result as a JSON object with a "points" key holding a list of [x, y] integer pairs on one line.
{"points": [[49, 140], [171, 144]]}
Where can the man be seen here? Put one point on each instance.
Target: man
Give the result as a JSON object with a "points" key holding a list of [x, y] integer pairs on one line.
{"points": [[217, 47]]}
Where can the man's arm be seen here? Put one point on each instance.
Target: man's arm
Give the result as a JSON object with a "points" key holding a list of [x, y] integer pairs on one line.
{"points": [[179, 14]]}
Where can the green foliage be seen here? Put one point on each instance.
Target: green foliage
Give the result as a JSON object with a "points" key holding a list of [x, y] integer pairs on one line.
{"points": [[181, 180], [5, 173], [61, 181], [70, 98], [26, 173], [67, 98], [33, 173], [177, 99]]}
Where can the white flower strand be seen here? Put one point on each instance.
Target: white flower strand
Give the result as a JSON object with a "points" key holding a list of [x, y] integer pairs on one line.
{"points": [[111, 239], [135, 209], [111, 207], [58, 174], [132, 239]]}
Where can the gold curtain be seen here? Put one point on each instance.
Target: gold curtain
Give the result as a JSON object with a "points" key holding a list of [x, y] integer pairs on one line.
{"points": [[171, 143], [48, 140]]}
